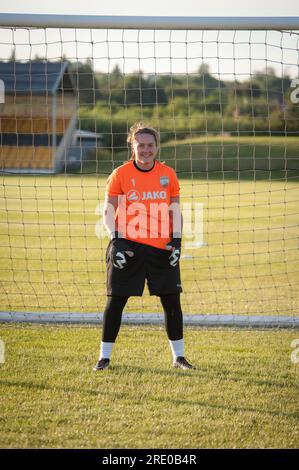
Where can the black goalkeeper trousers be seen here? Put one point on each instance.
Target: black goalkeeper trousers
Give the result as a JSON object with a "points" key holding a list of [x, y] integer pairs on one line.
{"points": [[172, 313]]}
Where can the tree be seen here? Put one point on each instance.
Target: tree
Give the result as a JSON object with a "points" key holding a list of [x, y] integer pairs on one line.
{"points": [[87, 86]]}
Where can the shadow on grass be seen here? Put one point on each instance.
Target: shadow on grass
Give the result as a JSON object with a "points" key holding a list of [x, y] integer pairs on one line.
{"points": [[226, 374], [212, 373], [153, 398]]}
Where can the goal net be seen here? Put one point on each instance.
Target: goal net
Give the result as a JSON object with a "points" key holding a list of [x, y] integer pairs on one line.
{"points": [[226, 104]]}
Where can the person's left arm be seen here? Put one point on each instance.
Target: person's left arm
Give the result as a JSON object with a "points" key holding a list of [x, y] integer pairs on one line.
{"points": [[176, 217]]}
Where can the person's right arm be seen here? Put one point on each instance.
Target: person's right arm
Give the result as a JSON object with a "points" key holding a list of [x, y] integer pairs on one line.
{"points": [[109, 211], [119, 245]]}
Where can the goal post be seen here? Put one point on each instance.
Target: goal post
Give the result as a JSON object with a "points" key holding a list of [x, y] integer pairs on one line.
{"points": [[224, 94], [150, 22]]}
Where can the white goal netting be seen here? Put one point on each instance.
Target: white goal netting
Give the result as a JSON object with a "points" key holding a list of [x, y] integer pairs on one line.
{"points": [[226, 104]]}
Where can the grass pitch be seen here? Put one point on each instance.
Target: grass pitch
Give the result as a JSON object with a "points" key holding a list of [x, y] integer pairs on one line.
{"points": [[244, 393]]}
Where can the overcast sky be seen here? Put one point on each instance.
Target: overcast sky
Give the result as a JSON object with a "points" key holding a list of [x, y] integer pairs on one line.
{"points": [[227, 53], [156, 7]]}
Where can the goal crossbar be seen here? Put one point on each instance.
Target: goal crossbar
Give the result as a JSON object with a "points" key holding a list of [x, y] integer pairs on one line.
{"points": [[150, 22]]}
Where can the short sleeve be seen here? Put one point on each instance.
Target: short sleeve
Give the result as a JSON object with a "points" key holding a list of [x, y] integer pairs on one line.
{"points": [[113, 185], [174, 187]]}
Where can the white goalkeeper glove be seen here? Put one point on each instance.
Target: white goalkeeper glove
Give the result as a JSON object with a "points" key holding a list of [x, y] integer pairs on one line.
{"points": [[175, 246], [119, 250]]}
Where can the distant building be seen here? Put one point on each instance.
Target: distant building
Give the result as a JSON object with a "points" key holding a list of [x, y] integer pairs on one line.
{"points": [[39, 116]]}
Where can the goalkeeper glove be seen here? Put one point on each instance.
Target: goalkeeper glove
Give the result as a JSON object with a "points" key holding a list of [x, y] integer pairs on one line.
{"points": [[118, 251], [175, 246]]}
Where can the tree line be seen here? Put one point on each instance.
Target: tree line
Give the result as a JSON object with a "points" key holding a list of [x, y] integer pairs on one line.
{"points": [[184, 105]]}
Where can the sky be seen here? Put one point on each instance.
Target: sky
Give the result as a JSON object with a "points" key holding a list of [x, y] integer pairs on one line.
{"points": [[228, 53]]}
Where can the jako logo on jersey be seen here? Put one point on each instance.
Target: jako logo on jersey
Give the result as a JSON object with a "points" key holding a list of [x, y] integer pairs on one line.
{"points": [[153, 195], [146, 195]]}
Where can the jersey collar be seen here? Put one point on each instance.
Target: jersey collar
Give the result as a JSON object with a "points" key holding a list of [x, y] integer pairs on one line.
{"points": [[144, 171]]}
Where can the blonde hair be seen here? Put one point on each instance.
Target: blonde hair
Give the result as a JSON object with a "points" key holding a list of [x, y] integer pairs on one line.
{"points": [[141, 128]]}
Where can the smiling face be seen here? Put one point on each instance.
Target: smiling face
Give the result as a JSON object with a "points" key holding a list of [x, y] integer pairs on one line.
{"points": [[145, 150]]}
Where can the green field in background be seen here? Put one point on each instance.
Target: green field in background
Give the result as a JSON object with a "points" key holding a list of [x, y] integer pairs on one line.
{"points": [[52, 260], [216, 157]]}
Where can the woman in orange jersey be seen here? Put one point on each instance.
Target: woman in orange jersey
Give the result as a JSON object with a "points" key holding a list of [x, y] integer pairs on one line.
{"points": [[143, 219]]}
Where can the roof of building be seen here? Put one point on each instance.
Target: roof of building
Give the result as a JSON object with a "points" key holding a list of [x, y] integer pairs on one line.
{"points": [[36, 77]]}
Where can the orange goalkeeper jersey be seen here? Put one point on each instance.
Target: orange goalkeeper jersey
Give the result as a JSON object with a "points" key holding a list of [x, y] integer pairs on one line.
{"points": [[144, 206]]}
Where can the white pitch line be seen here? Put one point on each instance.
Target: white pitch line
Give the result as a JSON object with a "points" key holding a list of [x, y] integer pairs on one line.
{"points": [[254, 321]]}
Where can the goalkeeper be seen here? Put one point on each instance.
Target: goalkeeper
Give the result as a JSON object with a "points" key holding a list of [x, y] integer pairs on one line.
{"points": [[143, 218]]}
